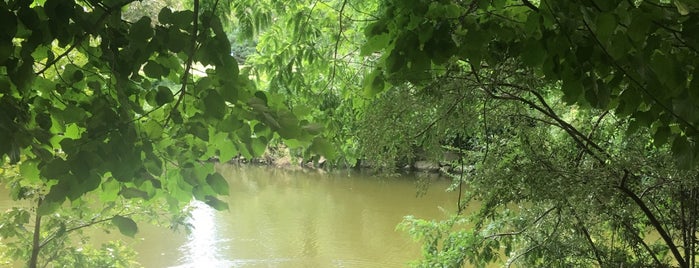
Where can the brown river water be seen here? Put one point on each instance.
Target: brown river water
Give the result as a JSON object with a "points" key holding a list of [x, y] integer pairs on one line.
{"points": [[281, 218]]}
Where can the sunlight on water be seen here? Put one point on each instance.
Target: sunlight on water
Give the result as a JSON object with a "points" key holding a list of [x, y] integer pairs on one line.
{"points": [[201, 248], [291, 219]]}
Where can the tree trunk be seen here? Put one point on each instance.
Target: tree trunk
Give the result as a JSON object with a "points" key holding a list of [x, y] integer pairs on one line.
{"points": [[35, 241]]}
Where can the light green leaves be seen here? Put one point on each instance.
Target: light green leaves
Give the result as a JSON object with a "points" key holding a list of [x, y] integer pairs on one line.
{"points": [[375, 43], [30, 172], [681, 7], [126, 225], [374, 83], [323, 147]]}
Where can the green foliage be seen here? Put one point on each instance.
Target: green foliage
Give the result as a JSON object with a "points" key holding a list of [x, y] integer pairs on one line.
{"points": [[109, 102], [96, 96], [306, 59], [571, 123], [636, 59], [126, 225]]}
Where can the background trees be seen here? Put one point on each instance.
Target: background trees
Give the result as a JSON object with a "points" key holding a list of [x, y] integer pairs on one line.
{"points": [[583, 151]]}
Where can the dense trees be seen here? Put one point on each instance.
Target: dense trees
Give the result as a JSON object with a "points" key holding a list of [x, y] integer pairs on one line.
{"points": [[580, 123], [127, 109], [574, 124]]}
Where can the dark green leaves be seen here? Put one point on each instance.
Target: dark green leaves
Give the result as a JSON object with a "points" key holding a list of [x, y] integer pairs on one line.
{"points": [[153, 69], [216, 203], [141, 30], [214, 105], [164, 95], [8, 20], [126, 225], [606, 24], [179, 19], [5, 50], [217, 183]]}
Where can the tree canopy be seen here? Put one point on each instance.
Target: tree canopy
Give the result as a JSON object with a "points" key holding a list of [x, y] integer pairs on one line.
{"points": [[579, 115], [574, 123]]}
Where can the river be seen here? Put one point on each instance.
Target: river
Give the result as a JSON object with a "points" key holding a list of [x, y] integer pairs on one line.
{"points": [[281, 218]]}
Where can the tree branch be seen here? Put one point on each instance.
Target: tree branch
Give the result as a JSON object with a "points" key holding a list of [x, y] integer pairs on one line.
{"points": [[190, 59], [656, 224], [523, 229], [638, 84], [530, 5]]}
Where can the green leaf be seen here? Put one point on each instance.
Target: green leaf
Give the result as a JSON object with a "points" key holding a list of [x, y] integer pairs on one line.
{"points": [[164, 15], [153, 165], [216, 203], [29, 171], [130, 192], [181, 19], [683, 153], [666, 69], [218, 183], [153, 70], [163, 96], [110, 190], [8, 20], [661, 136], [5, 50], [323, 147], [47, 207], [126, 225], [228, 69], [141, 30], [258, 146], [227, 150], [374, 83], [606, 24], [313, 128], [572, 86], [374, 44], [153, 129], [214, 105], [534, 53], [44, 121], [681, 7], [77, 76]]}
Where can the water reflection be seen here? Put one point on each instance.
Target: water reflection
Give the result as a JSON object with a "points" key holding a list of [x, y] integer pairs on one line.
{"points": [[296, 219], [293, 219], [203, 243]]}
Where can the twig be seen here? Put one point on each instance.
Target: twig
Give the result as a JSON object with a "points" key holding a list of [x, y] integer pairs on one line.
{"points": [[530, 5], [331, 80], [523, 229], [638, 83], [190, 59]]}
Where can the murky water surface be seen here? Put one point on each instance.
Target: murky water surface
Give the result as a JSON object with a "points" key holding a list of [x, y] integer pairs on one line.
{"points": [[297, 219]]}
